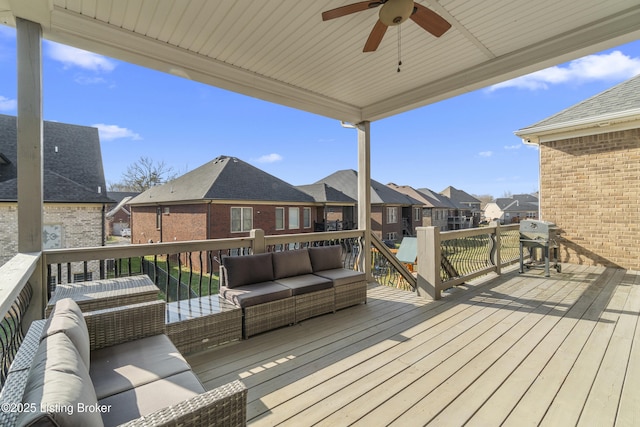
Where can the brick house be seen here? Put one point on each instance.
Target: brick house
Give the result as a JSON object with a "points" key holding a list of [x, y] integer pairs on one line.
{"points": [[590, 176], [393, 214], [74, 191], [336, 210], [468, 207], [119, 213], [223, 198], [435, 207]]}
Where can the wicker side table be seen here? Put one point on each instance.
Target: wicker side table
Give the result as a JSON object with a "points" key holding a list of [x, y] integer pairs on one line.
{"points": [[198, 323], [106, 293]]}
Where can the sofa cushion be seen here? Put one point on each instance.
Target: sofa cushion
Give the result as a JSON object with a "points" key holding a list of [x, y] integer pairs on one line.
{"points": [[326, 257], [67, 318], [248, 269], [291, 263], [124, 366], [305, 283], [342, 276], [258, 293], [151, 397], [59, 383]]}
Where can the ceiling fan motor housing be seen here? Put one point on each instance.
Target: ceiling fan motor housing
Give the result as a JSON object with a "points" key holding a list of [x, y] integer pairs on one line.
{"points": [[395, 12]]}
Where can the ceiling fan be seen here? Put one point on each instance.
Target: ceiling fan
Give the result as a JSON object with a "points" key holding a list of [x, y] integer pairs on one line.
{"points": [[393, 12]]}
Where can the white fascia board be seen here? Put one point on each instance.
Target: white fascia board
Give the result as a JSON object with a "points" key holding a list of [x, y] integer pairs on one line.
{"points": [[605, 123]]}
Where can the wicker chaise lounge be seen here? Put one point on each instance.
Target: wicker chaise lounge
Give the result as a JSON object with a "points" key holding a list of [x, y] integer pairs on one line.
{"points": [[111, 367], [282, 288]]}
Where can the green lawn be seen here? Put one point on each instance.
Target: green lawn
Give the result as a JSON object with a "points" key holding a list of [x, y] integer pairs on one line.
{"points": [[201, 284]]}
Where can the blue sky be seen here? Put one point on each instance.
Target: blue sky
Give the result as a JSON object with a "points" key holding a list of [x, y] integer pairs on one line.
{"points": [[467, 141]]}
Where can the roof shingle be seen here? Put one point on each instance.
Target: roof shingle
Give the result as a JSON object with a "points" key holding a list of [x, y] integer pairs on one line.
{"points": [[72, 166]]}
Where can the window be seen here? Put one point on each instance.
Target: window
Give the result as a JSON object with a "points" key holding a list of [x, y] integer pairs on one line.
{"points": [[241, 219], [306, 217], [279, 218], [158, 218], [417, 214], [392, 236], [392, 215], [294, 218]]}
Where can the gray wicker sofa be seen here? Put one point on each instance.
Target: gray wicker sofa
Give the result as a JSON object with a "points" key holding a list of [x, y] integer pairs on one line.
{"points": [[110, 367], [276, 289]]}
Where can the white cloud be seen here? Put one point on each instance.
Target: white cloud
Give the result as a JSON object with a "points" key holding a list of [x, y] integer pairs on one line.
{"points": [[85, 80], [513, 147], [485, 153], [72, 57], [111, 132], [7, 104], [610, 66], [269, 158]]}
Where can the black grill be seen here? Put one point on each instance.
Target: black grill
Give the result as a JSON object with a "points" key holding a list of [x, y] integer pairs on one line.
{"points": [[539, 234]]}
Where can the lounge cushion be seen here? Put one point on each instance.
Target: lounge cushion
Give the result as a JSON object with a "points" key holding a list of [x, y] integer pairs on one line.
{"points": [[59, 383], [342, 276], [258, 293], [151, 397], [305, 283], [326, 257], [124, 366], [248, 269], [67, 318], [291, 263]]}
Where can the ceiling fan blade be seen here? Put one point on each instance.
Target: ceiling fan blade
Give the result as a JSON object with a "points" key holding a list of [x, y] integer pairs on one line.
{"points": [[349, 9], [429, 20], [375, 37]]}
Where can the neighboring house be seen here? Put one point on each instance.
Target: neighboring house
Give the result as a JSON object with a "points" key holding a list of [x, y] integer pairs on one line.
{"points": [[119, 213], [435, 209], [393, 214], [469, 208], [590, 176], [510, 210], [445, 214], [336, 210], [74, 189], [223, 198]]}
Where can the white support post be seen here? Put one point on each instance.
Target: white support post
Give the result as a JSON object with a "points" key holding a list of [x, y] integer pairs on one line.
{"points": [[30, 209], [364, 194], [259, 244], [429, 280], [29, 154]]}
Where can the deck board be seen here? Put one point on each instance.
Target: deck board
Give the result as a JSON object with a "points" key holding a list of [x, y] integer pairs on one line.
{"points": [[516, 349]]}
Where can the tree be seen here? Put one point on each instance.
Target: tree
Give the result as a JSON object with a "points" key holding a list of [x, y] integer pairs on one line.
{"points": [[484, 199], [144, 174]]}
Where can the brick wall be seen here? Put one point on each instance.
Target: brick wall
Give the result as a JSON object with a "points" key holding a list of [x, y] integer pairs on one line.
{"points": [[143, 225], [79, 226], [188, 222], [590, 187], [8, 231]]}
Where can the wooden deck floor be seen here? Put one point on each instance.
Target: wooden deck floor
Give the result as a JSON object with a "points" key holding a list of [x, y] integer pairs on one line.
{"points": [[516, 350]]}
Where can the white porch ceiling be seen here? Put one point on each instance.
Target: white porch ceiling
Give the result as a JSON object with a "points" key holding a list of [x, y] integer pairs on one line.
{"points": [[281, 50]]}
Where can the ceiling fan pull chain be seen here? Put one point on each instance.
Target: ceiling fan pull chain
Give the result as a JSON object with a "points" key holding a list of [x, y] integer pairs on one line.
{"points": [[399, 48]]}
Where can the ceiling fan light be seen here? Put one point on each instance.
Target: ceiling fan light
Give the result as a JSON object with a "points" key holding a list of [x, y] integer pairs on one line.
{"points": [[395, 12]]}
